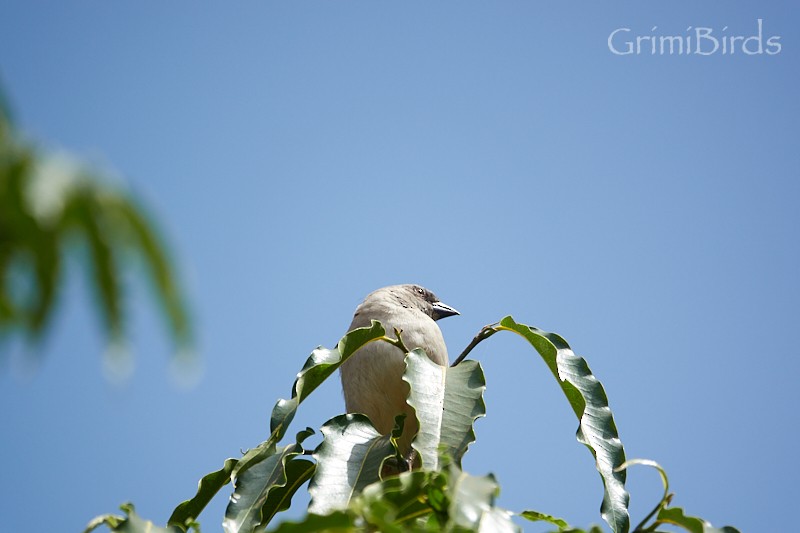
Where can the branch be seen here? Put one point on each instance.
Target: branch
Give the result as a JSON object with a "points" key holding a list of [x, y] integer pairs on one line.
{"points": [[482, 335]]}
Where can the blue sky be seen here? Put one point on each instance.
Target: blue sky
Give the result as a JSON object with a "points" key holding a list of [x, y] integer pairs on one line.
{"points": [[300, 155]]}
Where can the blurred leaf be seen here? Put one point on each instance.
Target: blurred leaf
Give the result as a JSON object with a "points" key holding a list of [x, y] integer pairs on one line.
{"points": [[244, 512], [338, 521], [155, 254], [675, 516], [48, 273], [536, 516], [348, 459], [596, 429], [84, 213], [49, 203], [207, 488], [131, 523], [447, 402], [472, 503], [396, 500]]}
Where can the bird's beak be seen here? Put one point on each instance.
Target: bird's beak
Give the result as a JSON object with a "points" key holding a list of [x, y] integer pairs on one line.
{"points": [[441, 310]]}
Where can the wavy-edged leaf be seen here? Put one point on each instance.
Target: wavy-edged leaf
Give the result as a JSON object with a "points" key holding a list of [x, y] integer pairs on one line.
{"points": [[318, 367], [676, 516], [244, 512], [320, 364], [348, 459], [279, 499], [596, 429], [447, 401], [207, 488]]}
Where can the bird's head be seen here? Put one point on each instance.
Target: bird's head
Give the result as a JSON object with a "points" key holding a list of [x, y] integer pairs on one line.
{"points": [[421, 298]]}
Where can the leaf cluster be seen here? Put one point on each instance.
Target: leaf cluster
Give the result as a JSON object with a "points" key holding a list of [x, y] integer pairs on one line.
{"points": [[358, 481], [50, 205]]}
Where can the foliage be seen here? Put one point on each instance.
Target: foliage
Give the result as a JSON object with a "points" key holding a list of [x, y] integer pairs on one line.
{"points": [[352, 487], [50, 205]]}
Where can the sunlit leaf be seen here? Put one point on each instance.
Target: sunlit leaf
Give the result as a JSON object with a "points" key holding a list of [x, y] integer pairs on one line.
{"points": [[447, 402], [596, 428], [472, 503], [348, 459]]}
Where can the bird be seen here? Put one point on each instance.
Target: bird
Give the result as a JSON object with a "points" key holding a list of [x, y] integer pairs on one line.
{"points": [[372, 376]]}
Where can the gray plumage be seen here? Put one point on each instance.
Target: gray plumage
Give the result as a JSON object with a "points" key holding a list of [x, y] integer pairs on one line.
{"points": [[372, 377]]}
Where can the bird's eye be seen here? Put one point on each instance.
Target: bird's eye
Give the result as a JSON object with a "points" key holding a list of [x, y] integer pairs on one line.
{"points": [[420, 290]]}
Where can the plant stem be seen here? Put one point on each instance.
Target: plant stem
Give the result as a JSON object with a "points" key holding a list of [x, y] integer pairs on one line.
{"points": [[482, 335]]}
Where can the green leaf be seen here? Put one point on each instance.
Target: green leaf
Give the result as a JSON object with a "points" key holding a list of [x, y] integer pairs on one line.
{"points": [[87, 214], [348, 459], [472, 503], [676, 516], [207, 488], [447, 402], [395, 500], [48, 273], [244, 512], [46, 200], [596, 429], [337, 521], [536, 516], [318, 367], [298, 471], [150, 246], [132, 523]]}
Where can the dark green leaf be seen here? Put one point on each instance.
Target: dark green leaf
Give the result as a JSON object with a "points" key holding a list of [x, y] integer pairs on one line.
{"points": [[348, 459], [596, 429], [447, 402], [207, 488], [321, 364], [244, 512], [298, 471]]}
